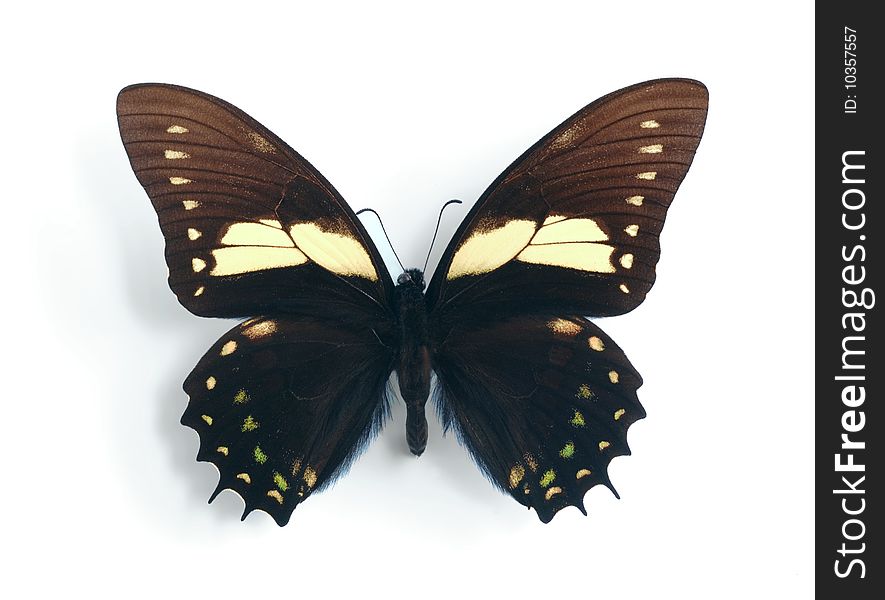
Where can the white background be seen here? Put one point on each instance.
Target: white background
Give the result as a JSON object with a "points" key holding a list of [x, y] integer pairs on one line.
{"points": [[403, 108]]}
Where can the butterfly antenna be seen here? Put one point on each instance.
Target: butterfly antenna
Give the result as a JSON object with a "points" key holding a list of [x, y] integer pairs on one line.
{"points": [[385, 234], [438, 221]]}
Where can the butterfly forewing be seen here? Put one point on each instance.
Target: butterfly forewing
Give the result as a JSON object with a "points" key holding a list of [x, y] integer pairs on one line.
{"points": [[282, 405], [573, 224], [250, 226]]}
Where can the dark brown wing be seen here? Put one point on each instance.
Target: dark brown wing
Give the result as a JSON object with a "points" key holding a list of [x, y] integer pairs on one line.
{"points": [[572, 225], [283, 405], [542, 403], [250, 226]]}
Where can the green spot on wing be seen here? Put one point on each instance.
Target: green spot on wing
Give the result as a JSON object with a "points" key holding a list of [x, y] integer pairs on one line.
{"points": [[249, 424], [568, 450], [259, 455], [241, 397], [547, 478], [280, 481], [578, 419]]}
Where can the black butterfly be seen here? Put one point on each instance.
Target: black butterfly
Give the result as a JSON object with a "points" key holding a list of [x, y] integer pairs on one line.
{"points": [[539, 395]]}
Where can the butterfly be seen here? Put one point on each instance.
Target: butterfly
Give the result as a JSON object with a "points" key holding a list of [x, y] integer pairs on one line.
{"points": [[538, 394]]}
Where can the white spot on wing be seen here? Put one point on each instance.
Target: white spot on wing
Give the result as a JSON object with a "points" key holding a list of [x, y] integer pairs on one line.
{"points": [[652, 149], [198, 264], [175, 154], [647, 175], [193, 234], [190, 204], [651, 124], [635, 200], [176, 129], [631, 230], [179, 180]]}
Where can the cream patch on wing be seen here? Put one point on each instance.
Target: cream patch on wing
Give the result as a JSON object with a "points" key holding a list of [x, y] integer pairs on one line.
{"points": [[570, 243], [333, 251], [487, 250], [256, 234], [255, 247]]}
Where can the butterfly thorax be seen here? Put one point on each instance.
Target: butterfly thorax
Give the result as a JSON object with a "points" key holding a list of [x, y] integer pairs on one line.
{"points": [[413, 365]]}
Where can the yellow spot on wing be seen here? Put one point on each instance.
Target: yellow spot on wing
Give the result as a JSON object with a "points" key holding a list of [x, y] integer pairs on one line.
{"points": [[275, 495], [229, 348], [547, 478], [245, 477], [486, 250], [647, 175], [333, 251], [241, 397], [210, 383], [552, 492], [190, 204], [631, 230], [260, 144], [554, 219], [596, 344], [627, 261], [603, 445], [583, 473], [193, 234], [175, 154], [179, 180], [260, 329], [619, 413], [310, 476], [569, 230], [613, 376], [247, 259], [653, 149], [249, 424], [623, 287], [198, 264], [584, 391], [564, 327], [257, 234], [516, 475], [590, 257], [530, 461], [207, 418], [199, 291], [651, 124], [177, 129], [222, 450], [635, 200]]}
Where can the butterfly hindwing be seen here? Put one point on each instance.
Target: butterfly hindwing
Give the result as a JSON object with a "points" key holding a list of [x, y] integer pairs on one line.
{"points": [[543, 404], [250, 226], [573, 224], [282, 405]]}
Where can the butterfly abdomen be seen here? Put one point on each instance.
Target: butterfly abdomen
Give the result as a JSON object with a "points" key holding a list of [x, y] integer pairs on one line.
{"points": [[413, 367]]}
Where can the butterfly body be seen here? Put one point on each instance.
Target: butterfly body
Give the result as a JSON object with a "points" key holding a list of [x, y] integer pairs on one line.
{"points": [[539, 395], [414, 362]]}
